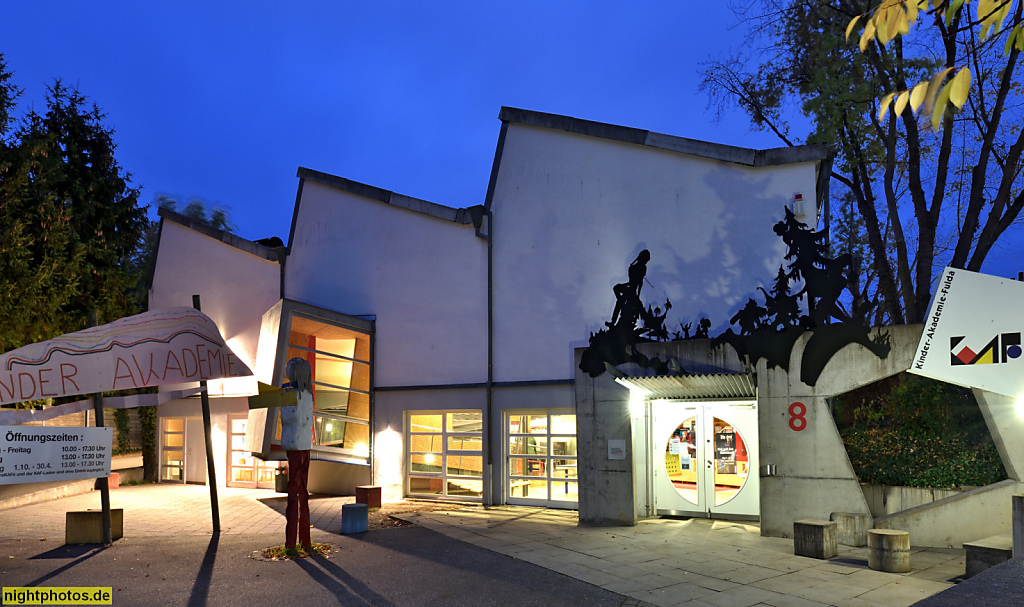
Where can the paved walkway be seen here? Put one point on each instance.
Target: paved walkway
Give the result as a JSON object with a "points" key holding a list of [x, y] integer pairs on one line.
{"points": [[658, 562]]}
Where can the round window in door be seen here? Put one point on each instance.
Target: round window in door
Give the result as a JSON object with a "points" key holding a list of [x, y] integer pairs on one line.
{"points": [[731, 464], [681, 460]]}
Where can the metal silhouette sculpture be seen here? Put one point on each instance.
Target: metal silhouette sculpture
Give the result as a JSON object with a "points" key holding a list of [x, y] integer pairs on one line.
{"points": [[770, 331], [616, 344]]}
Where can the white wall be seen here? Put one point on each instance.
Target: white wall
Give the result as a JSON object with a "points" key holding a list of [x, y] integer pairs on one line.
{"points": [[424, 278], [572, 212], [235, 289]]}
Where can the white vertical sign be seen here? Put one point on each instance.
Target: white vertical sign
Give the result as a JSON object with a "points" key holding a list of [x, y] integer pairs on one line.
{"points": [[972, 334]]}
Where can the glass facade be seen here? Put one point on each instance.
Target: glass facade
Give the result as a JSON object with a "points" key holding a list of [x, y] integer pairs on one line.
{"points": [[541, 459], [444, 454], [172, 450]]}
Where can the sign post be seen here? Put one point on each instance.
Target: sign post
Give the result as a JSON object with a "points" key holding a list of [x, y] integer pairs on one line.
{"points": [[211, 471], [104, 482]]}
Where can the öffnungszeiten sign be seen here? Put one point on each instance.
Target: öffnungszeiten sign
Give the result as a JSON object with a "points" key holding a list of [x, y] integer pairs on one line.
{"points": [[31, 454]]}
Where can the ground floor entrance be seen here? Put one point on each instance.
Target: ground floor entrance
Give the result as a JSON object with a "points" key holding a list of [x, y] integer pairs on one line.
{"points": [[704, 460]]}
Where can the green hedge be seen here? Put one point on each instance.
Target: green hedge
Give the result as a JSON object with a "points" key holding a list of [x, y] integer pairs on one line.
{"points": [[917, 432]]}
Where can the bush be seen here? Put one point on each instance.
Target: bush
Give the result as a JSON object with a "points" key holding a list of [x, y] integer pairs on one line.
{"points": [[124, 431], [917, 432]]}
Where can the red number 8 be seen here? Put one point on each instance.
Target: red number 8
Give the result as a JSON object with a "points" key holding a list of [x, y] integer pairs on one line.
{"points": [[797, 421]]}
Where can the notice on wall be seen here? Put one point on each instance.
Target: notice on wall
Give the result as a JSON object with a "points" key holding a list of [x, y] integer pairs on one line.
{"points": [[33, 454], [972, 334], [616, 449]]}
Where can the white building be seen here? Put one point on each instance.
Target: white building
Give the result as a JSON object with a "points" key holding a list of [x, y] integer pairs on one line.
{"points": [[443, 339]]}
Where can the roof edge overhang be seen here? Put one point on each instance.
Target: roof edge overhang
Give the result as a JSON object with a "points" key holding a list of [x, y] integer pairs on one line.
{"points": [[693, 387], [815, 152]]}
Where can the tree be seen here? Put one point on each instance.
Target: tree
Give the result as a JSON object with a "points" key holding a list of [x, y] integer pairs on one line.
{"points": [[69, 218], [924, 197], [143, 261]]}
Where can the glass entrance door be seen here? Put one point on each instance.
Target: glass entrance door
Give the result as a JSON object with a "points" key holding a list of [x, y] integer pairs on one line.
{"points": [[705, 458], [244, 470]]}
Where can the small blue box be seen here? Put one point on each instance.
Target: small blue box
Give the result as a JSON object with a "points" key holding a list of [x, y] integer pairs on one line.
{"points": [[353, 518]]}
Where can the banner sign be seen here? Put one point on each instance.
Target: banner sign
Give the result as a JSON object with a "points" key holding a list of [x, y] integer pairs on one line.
{"points": [[169, 346], [972, 334], [34, 454]]}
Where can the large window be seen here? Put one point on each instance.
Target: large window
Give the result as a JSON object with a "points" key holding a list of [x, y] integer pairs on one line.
{"points": [[445, 454], [172, 449], [340, 359], [541, 459], [338, 348]]}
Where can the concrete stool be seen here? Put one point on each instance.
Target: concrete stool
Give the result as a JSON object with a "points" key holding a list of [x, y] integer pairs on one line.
{"points": [[353, 518], [989, 552], [889, 550], [86, 526], [369, 495], [816, 539], [853, 527]]}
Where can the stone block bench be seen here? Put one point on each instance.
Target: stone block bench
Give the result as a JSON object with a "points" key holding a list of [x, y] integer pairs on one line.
{"points": [[989, 552], [853, 527], [816, 539], [889, 550], [86, 526]]}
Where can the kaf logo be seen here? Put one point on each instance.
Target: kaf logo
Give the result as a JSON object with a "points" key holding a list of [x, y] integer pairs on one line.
{"points": [[1002, 348]]}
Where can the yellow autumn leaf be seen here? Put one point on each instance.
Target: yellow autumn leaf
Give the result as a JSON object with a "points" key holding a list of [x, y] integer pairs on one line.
{"points": [[853, 23], [894, 21], [884, 106], [901, 103], [917, 95], [911, 11], [867, 35], [934, 86], [960, 87], [940, 107]]}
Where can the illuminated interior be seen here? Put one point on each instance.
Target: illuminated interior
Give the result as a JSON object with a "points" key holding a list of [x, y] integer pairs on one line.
{"points": [[541, 462], [728, 463], [445, 457]]}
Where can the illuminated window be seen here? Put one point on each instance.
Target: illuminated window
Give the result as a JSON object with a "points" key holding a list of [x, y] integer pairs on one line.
{"points": [[445, 454], [541, 459], [338, 349]]}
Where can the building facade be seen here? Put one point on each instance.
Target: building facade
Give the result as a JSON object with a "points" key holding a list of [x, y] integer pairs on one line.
{"points": [[443, 339]]}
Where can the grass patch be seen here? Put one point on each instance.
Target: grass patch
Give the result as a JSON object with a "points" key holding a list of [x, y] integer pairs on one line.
{"points": [[280, 553]]}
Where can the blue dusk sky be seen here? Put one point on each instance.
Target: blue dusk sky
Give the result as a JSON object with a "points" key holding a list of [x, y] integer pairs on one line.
{"points": [[224, 101]]}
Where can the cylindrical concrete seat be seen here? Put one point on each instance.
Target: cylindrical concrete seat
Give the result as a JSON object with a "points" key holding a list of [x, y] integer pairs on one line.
{"points": [[889, 550], [353, 518]]}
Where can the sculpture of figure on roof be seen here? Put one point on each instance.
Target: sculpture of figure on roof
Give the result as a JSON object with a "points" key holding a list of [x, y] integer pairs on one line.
{"points": [[628, 306]]}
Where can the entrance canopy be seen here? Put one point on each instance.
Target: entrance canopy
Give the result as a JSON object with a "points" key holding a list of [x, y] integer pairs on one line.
{"points": [[717, 385]]}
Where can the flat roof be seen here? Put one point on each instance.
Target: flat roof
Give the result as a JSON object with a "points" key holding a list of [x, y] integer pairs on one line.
{"points": [[692, 147]]}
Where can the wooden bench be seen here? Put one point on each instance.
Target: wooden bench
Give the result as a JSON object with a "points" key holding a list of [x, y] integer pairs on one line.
{"points": [[889, 550], [816, 539], [989, 552]]}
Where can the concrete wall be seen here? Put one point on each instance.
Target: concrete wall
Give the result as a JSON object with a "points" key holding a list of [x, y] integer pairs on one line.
{"points": [[884, 500], [949, 522], [814, 475], [1004, 417], [607, 487], [424, 278], [235, 289], [572, 211], [615, 492]]}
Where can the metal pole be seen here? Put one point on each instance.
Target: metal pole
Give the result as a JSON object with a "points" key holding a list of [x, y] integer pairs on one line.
{"points": [[104, 482], [211, 472]]}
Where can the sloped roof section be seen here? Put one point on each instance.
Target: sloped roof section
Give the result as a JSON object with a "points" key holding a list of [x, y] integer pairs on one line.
{"points": [[227, 238], [682, 145], [459, 216], [718, 385]]}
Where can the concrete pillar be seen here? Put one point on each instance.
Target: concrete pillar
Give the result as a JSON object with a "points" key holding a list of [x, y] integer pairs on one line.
{"points": [[1018, 525]]}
